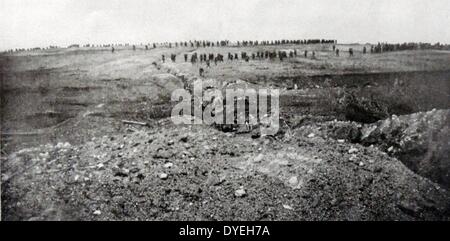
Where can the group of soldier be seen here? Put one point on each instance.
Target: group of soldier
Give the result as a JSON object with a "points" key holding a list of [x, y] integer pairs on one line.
{"points": [[222, 43], [258, 55], [281, 55], [386, 47], [211, 57]]}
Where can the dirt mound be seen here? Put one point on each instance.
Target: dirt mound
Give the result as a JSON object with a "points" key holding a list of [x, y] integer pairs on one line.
{"points": [[420, 140], [198, 173]]}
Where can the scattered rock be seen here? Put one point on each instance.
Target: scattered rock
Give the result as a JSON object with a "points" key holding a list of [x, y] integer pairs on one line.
{"points": [[390, 149], [240, 192], [168, 165], [285, 206], [293, 181], [163, 176], [64, 145], [352, 150], [333, 201], [100, 166]]}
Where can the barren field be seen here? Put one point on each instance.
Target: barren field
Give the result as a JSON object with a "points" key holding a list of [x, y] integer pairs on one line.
{"points": [[361, 138]]}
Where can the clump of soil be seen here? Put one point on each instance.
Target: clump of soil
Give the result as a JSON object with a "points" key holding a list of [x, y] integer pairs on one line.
{"points": [[419, 140]]}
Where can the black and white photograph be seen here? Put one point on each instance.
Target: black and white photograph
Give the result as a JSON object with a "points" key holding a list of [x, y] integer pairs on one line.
{"points": [[225, 110]]}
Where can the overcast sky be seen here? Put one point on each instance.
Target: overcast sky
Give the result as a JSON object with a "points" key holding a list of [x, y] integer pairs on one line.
{"points": [[29, 23]]}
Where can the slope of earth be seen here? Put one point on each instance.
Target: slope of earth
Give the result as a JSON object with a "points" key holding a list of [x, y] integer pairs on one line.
{"points": [[198, 173]]}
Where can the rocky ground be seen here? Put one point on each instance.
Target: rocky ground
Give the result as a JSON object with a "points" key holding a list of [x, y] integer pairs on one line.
{"points": [[169, 172], [90, 165]]}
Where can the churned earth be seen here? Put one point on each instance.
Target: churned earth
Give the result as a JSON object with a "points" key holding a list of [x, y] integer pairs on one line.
{"points": [[172, 172], [67, 153]]}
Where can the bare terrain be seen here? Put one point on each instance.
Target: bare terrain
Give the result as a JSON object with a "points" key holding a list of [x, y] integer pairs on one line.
{"points": [[361, 138]]}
